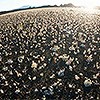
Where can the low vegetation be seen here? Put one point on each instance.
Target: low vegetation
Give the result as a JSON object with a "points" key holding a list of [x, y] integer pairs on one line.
{"points": [[50, 54]]}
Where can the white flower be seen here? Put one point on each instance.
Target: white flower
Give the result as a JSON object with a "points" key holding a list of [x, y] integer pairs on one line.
{"points": [[41, 74], [10, 61], [43, 87], [0, 45], [18, 74], [87, 82], [55, 48], [0, 58], [64, 57], [17, 91], [20, 59], [72, 48], [61, 72], [79, 90], [52, 76], [34, 78], [77, 77], [1, 91], [69, 61], [70, 86], [70, 68], [34, 65], [89, 59], [5, 68], [36, 90]]}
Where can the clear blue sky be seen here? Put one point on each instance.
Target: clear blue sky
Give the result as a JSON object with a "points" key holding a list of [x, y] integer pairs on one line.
{"points": [[12, 4]]}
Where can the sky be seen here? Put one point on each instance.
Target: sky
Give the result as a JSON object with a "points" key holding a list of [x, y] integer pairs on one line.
{"points": [[13, 4]]}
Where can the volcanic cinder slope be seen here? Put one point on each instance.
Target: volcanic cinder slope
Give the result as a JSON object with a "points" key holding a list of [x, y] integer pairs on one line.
{"points": [[50, 54]]}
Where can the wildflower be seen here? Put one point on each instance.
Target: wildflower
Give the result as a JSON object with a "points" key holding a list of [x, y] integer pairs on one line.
{"points": [[34, 65], [87, 82]]}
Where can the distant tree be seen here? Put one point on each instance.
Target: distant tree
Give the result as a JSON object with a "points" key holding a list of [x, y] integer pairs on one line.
{"points": [[61, 5], [55, 6], [67, 5]]}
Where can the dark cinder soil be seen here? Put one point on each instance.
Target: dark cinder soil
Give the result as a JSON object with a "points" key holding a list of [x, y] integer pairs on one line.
{"points": [[50, 54]]}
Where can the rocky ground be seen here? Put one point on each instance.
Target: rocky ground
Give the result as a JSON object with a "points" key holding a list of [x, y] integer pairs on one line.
{"points": [[50, 54]]}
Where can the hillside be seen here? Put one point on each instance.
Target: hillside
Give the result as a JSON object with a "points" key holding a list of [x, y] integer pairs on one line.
{"points": [[50, 54]]}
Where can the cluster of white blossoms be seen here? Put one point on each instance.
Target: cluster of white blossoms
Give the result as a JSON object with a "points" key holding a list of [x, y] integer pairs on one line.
{"points": [[34, 65], [48, 53]]}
